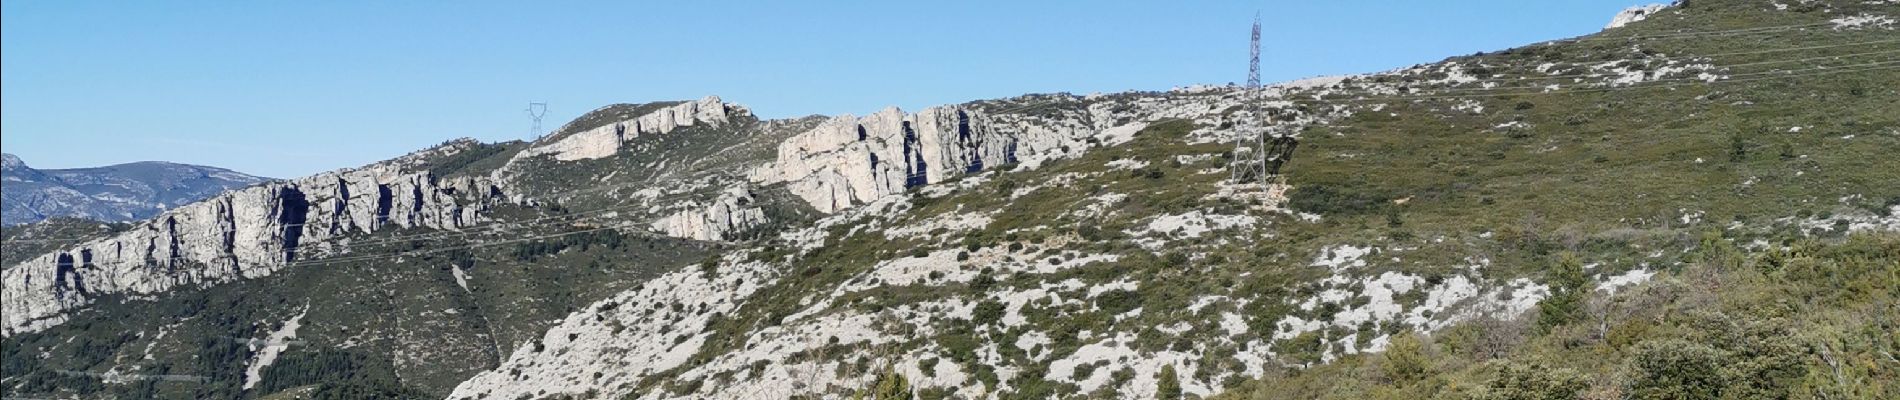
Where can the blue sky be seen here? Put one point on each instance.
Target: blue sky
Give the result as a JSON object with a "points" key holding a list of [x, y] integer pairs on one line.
{"points": [[285, 89]]}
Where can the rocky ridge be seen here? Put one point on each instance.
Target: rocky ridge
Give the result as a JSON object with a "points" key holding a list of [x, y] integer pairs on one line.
{"points": [[1006, 290], [605, 140], [1633, 14], [701, 333], [241, 234]]}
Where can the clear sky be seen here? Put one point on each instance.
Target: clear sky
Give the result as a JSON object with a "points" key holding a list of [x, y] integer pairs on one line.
{"points": [[289, 88]]}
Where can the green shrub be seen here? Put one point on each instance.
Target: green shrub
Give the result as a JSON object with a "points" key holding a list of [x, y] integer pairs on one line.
{"points": [[1677, 369], [1167, 384], [1115, 302], [1531, 381]]}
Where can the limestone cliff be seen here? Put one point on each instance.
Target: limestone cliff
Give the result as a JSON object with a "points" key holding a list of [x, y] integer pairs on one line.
{"points": [[732, 211], [853, 160], [604, 140], [241, 234], [1633, 14]]}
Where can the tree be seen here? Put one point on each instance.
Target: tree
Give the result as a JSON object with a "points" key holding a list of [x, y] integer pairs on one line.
{"points": [[1569, 287], [890, 385], [1168, 384], [1404, 360]]}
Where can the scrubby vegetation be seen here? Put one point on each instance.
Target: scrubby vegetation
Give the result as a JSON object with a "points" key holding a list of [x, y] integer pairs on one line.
{"points": [[469, 306], [1805, 319], [1760, 290]]}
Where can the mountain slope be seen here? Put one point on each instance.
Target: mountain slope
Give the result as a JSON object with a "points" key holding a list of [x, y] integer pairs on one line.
{"points": [[1422, 200], [124, 192], [1033, 247]]}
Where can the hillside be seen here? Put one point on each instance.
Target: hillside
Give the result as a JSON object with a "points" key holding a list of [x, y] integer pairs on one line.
{"points": [[1697, 203], [115, 193]]}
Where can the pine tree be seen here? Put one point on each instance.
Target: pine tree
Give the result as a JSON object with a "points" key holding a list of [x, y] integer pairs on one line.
{"points": [[1168, 385], [1569, 287]]}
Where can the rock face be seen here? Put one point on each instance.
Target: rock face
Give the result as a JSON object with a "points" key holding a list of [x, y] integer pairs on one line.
{"points": [[123, 192], [241, 234], [605, 140], [844, 162], [850, 160], [1633, 14], [732, 211]]}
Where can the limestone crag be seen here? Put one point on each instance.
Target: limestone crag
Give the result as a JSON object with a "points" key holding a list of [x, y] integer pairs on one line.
{"points": [[851, 160], [605, 140], [241, 234], [732, 211], [1633, 14]]}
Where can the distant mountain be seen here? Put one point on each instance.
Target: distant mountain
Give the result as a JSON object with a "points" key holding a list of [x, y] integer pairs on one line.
{"points": [[122, 192]]}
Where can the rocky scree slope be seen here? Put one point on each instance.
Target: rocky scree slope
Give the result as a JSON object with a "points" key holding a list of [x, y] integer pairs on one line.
{"points": [[1426, 200], [124, 192], [1058, 244], [709, 177]]}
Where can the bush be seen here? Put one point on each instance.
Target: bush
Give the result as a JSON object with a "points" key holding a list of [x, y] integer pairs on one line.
{"points": [[1677, 369], [1167, 384], [1515, 381], [987, 312], [1404, 359], [890, 385], [1118, 301], [1335, 199]]}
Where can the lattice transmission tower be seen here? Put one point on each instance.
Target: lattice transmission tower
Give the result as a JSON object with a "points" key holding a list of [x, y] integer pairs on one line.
{"points": [[1251, 165], [536, 111]]}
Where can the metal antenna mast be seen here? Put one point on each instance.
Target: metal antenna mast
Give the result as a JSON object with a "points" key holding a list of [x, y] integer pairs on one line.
{"points": [[536, 111], [1252, 125], [1253, 100]]}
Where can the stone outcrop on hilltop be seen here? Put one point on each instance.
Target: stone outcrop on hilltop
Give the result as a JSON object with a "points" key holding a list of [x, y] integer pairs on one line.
{"points": [[853, 160], [605, 140], [240, 234], [1633, 14], [850, 160]]}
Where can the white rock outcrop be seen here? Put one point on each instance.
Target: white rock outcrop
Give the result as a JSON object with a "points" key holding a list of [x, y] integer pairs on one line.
{"points": [[1633, 14], [605, 140], [734, 210], [241, 234], [848, 160]]}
